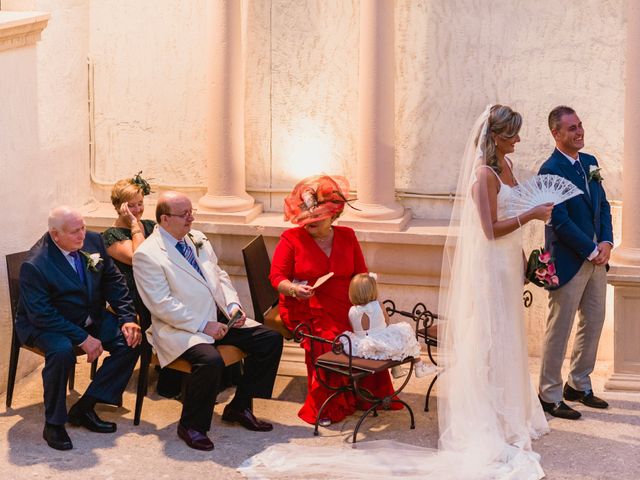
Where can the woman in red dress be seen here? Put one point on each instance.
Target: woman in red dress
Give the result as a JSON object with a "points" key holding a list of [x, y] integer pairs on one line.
{"points": [[304, 254]]}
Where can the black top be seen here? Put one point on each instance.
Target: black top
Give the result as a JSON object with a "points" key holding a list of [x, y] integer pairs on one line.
{"points": [[117, 234]]}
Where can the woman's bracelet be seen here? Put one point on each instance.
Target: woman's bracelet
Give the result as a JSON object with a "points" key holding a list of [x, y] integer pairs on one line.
{"points": [[292, 291]]}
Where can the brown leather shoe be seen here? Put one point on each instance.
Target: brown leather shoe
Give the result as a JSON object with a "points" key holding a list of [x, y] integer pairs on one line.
{"points": [[194, 438], [246, 418], [586, 398]]}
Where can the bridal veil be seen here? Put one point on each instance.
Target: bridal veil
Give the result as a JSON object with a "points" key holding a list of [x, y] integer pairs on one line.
{"points": [[484, 390]]}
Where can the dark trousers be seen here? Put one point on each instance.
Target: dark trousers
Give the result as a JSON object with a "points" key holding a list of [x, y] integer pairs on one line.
{"points": [[110, 379], [263, 347]]}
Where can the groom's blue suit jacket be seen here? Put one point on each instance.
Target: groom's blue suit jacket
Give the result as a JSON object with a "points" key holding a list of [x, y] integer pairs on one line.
{"points": [[54, 299], [576, 222]]}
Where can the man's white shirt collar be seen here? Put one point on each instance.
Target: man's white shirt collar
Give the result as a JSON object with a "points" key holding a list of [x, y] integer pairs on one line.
{"points": [[168, 237], [569, 157]]}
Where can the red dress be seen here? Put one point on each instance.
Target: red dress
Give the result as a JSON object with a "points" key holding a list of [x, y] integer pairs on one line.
{"points": [[299, 257]]}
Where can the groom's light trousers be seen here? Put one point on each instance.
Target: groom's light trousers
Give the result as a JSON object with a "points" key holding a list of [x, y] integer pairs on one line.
{"points": [[584, 294]]}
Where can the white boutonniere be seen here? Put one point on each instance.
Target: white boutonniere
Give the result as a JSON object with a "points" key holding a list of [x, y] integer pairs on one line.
{"points": [[594, 173], [198, 243], [93, 259]]}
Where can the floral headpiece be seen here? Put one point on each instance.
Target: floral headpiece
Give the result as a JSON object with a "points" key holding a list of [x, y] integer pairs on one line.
{"points": [[142, 183], [316, 198]]}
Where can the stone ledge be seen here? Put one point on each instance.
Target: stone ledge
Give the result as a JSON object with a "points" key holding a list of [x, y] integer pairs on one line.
{"points": [[19, 29], [100, 215], [408, 263]]}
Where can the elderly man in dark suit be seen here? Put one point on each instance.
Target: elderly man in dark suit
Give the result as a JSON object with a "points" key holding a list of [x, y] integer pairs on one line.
{"points": [[65, 285]]}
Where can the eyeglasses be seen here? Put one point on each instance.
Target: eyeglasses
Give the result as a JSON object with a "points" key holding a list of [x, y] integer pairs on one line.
{"points": [[188, 213]]}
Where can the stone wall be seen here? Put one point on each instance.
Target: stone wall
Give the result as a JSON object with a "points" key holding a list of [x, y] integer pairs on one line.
{"points": [[301, 64], [44, 141]]}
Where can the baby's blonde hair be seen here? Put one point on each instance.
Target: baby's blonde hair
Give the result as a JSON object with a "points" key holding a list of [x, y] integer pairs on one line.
{"points": [[363, 289]]}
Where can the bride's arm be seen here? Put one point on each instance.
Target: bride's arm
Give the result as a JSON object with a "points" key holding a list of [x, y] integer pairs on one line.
{"points": [[485, 196]]}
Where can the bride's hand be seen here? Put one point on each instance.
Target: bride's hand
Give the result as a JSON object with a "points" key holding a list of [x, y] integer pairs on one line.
{"points": [[542, 212]]}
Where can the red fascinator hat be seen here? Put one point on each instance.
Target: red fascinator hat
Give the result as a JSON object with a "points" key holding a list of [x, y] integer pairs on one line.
{"points": [[316, 198]]}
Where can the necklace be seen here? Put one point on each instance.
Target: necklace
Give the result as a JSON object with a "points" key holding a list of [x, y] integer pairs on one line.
{"points": [[328, 237]]}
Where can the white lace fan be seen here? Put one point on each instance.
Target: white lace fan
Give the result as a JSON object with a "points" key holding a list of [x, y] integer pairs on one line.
{"points": [[540, 189]]}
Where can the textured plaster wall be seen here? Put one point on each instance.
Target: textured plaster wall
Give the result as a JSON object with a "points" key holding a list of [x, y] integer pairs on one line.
{"points": [[149, 82], [44, 140], [455, 57], [301, 64]]}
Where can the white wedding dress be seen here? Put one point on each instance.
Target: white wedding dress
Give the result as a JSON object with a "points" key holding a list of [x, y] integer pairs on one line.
{"points": [[488, 411]]}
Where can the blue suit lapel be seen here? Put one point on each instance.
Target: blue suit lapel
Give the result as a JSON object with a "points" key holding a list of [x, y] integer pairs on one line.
{"points": [[62, 264], [594, 188], [569, 172], [88, 275]]}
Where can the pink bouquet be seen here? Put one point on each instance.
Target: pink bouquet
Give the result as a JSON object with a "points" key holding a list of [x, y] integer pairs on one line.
{"points": [[541, 270]]}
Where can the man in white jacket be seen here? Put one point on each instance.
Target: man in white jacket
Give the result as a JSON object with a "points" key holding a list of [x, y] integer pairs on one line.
{"points": [[191, 299]]}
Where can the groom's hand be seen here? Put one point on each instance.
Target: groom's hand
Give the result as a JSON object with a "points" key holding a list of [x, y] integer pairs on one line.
{"points": [[604, 252]]}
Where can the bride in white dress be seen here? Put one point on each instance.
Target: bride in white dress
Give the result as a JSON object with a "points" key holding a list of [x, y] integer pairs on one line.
{"points": [[488, 412]]}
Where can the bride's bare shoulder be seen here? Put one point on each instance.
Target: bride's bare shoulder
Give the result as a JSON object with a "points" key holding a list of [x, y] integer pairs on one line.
{"points": [[487, 177]]}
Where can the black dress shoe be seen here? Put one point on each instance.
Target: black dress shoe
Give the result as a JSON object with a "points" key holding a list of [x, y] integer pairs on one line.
{"points": [[246, 418], [56, 437], [560, 410], [90, 421], [587, 397], [195, 439]]}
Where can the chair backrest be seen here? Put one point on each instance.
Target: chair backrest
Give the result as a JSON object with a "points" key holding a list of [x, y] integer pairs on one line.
{"points": [[258, 266], [14, 262]]}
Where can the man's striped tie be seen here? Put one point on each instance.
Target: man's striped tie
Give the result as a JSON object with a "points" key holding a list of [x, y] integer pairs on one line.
{"points": [[187, 253]]}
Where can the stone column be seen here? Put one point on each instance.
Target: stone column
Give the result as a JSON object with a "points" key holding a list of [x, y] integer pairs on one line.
{"points": [[376, 116], [226, 198], [624, 274]]}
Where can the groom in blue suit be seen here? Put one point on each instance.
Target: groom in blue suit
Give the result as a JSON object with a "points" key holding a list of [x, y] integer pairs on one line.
{"points": [[64, 286], [580, 239]]}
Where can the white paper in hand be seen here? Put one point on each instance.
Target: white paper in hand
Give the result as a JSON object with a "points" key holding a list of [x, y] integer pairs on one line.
{"points": [[322, 279], [540, 189]]}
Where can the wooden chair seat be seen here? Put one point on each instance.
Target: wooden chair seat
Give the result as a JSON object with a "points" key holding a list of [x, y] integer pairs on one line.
{"points": [[273, 320], [365, 365], [229, 354], [431, 336]]}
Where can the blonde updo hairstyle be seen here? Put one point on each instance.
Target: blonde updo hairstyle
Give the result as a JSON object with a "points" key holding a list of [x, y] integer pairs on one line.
{"points": [[502, 121], [123, 191], [363, 289]]}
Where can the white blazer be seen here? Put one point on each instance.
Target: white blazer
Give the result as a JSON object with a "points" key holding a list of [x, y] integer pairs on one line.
{"points": [[178, 297]]}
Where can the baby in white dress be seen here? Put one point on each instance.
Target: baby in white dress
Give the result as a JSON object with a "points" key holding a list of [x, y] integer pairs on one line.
{"points": [[373, 337]]}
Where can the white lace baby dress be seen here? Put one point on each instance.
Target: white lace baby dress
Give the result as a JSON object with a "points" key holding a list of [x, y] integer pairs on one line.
{"points": [[380, 342]]}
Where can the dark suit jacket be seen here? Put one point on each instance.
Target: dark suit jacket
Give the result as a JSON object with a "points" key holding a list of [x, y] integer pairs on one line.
{"points": [[576, 222], [53, 298]]}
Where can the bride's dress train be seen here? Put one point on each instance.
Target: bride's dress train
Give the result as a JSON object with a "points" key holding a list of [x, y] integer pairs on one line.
{"points": [[488, 411], [487, 407]]}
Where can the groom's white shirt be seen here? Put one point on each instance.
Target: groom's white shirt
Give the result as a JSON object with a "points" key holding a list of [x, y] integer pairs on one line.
{"points": [[181, 300]]}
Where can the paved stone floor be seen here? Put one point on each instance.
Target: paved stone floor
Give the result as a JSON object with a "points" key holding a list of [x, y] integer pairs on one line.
{"points": [[602, 445]]}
